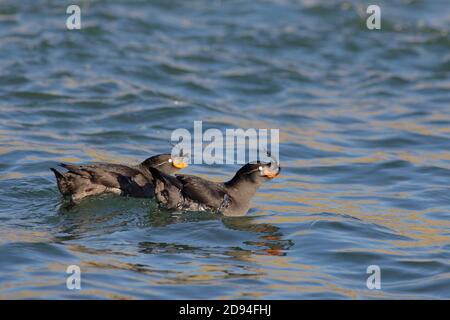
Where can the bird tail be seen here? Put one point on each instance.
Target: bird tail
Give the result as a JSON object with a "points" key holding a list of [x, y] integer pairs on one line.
{"points": [[60, 180], [58, 174]]}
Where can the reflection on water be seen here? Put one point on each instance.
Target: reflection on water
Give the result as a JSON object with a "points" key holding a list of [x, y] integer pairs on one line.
{"points": [[364, 124]]}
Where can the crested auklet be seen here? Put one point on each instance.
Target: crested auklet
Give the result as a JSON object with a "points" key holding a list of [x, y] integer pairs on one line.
{"points": [[81, 181], [231, 198]]}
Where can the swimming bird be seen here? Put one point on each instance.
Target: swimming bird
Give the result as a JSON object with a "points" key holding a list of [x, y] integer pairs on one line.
{"points": [[231, 198], [81, 181]]}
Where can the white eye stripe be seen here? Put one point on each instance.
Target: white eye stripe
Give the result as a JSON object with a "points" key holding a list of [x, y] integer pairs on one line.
{"points": [[260, 168], [170, 160]]}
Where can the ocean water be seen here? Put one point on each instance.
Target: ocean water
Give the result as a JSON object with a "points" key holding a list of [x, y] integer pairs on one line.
{"points": [[364, 119]]}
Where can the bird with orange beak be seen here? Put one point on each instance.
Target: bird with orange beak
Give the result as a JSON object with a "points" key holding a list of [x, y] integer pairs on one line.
{"points": [[231, 198], [81, 181]]}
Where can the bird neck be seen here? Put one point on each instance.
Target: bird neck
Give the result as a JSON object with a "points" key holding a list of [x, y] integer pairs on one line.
{"points": [[242, 187]]}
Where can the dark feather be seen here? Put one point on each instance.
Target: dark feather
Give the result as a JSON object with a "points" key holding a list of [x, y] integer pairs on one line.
{"points": [[58, 174], [81, 181], [203, 191]]}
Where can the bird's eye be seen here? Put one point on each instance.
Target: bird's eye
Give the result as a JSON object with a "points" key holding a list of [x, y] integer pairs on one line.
{"points": [[170, 160]]}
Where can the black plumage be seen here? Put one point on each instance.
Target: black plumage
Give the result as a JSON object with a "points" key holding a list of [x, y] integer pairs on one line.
{"points": [[81, 181], [232, 198]]}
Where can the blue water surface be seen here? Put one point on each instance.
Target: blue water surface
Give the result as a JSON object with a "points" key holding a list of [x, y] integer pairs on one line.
{"points": [[364, 119]]}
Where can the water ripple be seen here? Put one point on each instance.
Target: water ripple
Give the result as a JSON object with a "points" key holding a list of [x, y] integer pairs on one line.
{"points": [[364, 131]]}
